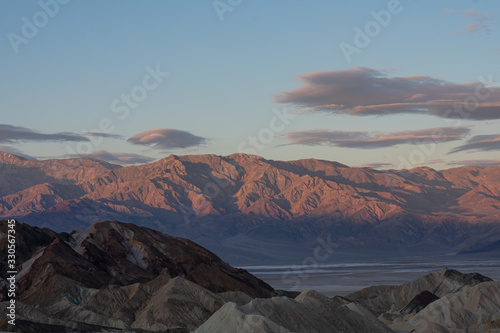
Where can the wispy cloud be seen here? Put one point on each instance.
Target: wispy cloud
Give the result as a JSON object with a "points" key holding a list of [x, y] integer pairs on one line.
{"points": [[475, 162], [370, 140], [378, 165], [15, 151], [364, 91], [436, 161], [103, 135], [166, 138], [480, 21], [116, 158], [11, 134], [480, 143]]}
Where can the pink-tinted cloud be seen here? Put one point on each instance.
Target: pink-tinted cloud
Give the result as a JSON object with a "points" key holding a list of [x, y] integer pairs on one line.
{"points": [[116, 158], [378, 165], [166, 138], [364, 91], [436, 161], [475, 163], [472, 28], [480, 22], [369, 140], [12, 133], [103, 135], [480, 143]]}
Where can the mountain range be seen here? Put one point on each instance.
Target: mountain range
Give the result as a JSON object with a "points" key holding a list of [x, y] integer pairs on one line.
{"points": [[239, 205]]}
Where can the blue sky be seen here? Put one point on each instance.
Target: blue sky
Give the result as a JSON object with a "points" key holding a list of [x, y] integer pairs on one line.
{"points": [[229, 64]]}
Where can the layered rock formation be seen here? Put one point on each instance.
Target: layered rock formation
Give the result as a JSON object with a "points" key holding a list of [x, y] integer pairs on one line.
{"points": [[475, 310], [119, 277], [444, 301], [382, 299], [309, 312]]}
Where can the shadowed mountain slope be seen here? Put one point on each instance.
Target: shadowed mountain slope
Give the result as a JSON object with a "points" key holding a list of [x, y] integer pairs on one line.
{"points": [[224, 201]]}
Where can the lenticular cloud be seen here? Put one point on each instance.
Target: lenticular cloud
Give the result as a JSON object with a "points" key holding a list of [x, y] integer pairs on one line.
{"points": [[364, 91]]}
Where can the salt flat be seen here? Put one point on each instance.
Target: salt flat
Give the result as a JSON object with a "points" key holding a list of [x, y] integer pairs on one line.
{"points": [[342, 278]]}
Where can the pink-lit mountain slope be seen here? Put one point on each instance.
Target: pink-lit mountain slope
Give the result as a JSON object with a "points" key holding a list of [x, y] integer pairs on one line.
{"points": [[246, 199]]}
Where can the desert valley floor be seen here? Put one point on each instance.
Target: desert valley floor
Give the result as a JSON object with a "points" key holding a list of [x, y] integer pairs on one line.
{"points": [[343, 278]]}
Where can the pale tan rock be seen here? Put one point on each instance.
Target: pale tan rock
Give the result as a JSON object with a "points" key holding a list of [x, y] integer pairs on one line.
{"points": [[310, 312]]}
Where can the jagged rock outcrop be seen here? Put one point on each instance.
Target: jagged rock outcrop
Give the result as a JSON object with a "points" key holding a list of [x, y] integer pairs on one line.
{"points": [[123, 254], [381, 299], [160, 305], [474, 310], [310, 312], [121, 276], [28, 240], [444, 301], [419, 302]]}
